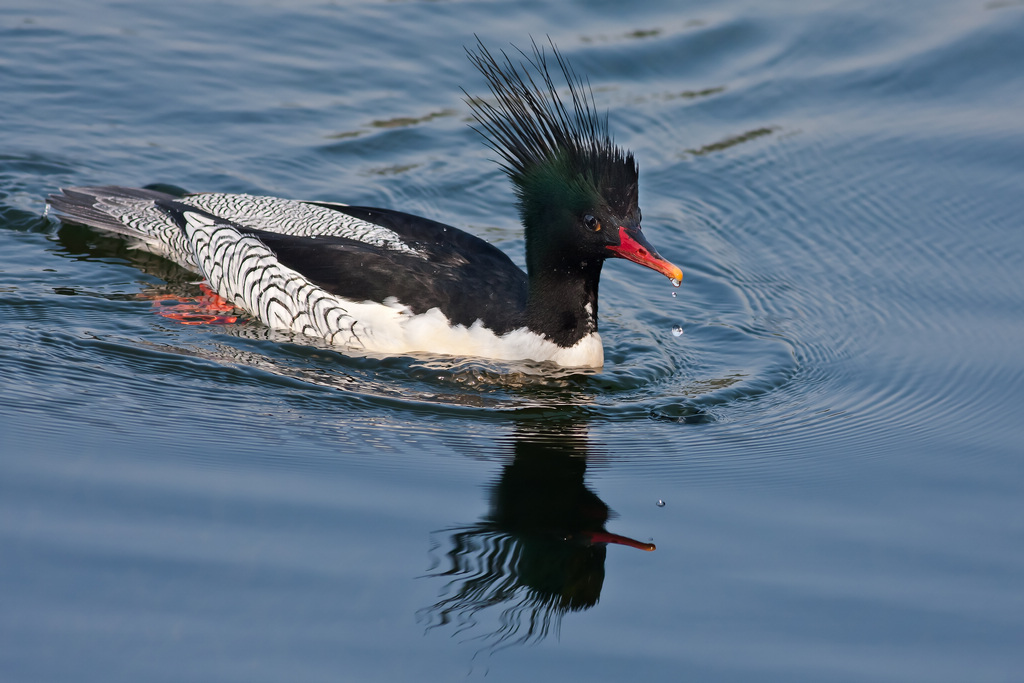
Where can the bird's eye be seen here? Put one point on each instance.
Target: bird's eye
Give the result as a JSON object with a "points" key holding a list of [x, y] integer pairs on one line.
{"points": [[591, 223]]}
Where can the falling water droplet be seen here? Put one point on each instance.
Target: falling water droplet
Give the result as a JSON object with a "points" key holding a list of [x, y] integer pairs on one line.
{"points": [[673, 295], [675, 282], [661, 503], [677, 331]]}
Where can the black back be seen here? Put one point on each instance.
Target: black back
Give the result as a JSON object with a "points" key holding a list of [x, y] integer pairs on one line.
{"points": [[465, 277]]}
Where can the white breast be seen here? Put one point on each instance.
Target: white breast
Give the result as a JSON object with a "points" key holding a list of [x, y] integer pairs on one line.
{"points": [[432, 332]]}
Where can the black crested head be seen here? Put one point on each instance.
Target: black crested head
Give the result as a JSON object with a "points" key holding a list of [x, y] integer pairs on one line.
{"points": [[557, 152]]}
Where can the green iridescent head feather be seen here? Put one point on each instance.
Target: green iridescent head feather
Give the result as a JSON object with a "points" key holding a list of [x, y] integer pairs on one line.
{"points": [[553, 149]]}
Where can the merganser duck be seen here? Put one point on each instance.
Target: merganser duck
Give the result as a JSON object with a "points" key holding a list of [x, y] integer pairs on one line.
{"points": [[391, 283]]}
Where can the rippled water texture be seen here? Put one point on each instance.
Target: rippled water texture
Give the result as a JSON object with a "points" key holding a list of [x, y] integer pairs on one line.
{"points": [[819, 430]]}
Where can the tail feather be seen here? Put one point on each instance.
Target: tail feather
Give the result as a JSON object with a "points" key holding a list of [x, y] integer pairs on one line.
{"points": [[108, 207], [129, 212]]}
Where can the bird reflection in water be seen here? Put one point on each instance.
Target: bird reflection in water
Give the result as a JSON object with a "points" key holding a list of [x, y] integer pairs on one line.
{"points": [[538, 553]]}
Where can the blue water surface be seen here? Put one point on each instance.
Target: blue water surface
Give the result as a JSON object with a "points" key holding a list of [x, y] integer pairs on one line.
{"points": [[828, 453]]}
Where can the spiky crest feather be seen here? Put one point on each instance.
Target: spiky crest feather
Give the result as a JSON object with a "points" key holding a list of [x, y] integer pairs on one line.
{"points": [[533, 130]]}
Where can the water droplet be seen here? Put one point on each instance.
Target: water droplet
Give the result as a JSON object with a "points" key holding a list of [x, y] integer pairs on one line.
{"points": [[675, 282], [677, 331], [661, 503], [673, 295]]}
